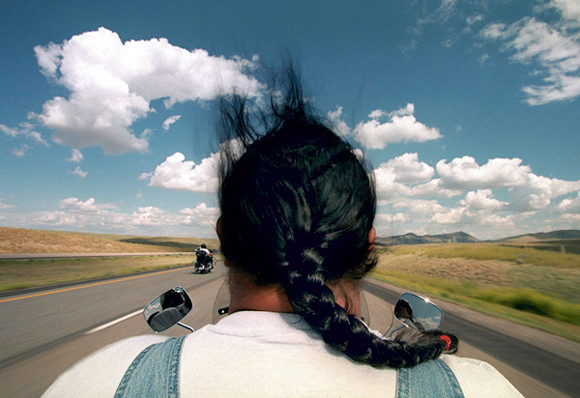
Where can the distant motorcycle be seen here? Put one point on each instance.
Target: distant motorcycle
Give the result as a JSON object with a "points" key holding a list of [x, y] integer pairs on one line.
{"points": [[204, 261]]}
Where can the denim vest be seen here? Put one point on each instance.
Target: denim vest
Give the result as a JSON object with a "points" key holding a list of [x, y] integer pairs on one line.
{"points": [[155, 373]]}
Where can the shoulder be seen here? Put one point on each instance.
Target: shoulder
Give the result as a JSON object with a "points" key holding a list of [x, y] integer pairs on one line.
{"points": [[480, 379], [100, 373]]}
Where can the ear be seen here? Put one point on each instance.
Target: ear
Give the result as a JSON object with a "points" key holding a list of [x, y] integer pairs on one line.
{"points": [[372, 238], [218, 228]]}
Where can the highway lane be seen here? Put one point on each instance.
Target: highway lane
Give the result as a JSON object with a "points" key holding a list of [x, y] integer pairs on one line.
{"points": [[34, 366], [32, 374], [31, 322]]}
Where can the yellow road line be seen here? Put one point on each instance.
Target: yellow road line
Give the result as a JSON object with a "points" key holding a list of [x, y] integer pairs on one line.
{"points": [[87, 286]]}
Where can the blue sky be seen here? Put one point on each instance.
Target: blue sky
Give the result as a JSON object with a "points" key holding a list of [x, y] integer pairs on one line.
{"points": [[468, 111]]}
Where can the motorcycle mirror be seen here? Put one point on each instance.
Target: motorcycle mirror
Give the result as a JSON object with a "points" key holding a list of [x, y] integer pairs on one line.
{"points": [[418, 312], [168, 309]]}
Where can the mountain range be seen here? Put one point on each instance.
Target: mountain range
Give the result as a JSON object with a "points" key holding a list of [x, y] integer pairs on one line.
{"points": [[462, 237]]}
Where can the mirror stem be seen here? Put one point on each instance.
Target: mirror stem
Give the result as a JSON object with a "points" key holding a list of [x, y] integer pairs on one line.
{"points": [[183, 325]]}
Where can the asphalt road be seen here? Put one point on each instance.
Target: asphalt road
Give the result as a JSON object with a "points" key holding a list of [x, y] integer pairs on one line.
{"points": [[45, 332]]}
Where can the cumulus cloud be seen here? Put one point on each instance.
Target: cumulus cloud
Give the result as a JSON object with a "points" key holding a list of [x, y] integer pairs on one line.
{"points": [[422, 195], [465, 173], [169, 121], [553, 48], [201, 215], [25, 130], [76, 156], [184, 175], [74, 214], [419, 206], [408, 169], [570, 205], [111, 85], [75, 205], [340, 126], [80, 173], [482, 199], [405, 175], [401, 127], [538, 192]]}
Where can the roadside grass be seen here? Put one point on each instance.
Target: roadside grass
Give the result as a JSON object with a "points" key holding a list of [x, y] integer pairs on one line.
{"points": [[23, 274], [491, 278], [492, 251]]}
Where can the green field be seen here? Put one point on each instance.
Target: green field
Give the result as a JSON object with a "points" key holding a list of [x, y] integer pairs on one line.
{"points": [[23, 274], [534, 286]]}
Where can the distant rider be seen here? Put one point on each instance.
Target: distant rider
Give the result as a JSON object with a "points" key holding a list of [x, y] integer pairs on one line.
{"points": [[204, 256]]}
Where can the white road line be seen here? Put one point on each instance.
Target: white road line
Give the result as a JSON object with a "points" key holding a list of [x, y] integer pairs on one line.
{"points": [[106, 325]]}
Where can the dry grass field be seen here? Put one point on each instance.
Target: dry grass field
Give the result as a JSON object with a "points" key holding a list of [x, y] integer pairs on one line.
{"points": [[22, 274], [534, 286], [16, 241]]}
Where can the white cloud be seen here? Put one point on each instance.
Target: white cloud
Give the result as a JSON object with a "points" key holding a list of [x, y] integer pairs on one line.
{"points": [[402, 127], [450, 216], [538, 192], [408, 169], [570, 205], [482, 199], [420, 206], [433, 188], [169, 121], [25, 130], [76, 205], [339, 125], [473, 19], [76, 156], [20, 152], [570, 10], [111, 85], [201, 215], [74, 214], [402, 180], [553, 47], [405, 175], [178, 174], [150, 216], [4, 206], [79, 172], [465, 173]]}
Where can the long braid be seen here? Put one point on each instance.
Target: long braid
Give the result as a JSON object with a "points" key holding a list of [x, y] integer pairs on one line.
{"points": [[315, 302]]}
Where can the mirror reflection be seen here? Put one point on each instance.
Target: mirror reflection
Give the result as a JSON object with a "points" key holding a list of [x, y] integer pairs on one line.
{"points": [[418, 312], [168, 309]]}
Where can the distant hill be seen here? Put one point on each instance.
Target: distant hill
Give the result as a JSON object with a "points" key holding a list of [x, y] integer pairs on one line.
{"points": [[412, 239], [18, 240], [542, 237]]}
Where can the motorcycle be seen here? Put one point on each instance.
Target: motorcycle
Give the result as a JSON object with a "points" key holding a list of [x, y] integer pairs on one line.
{"points": [[415, 313], [204, 262]]}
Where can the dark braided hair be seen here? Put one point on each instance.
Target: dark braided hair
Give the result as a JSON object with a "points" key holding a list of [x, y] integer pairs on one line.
{"points": [[296, 210]]}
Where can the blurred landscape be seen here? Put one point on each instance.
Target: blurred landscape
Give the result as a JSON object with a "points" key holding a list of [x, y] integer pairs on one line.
{"points": [[157, 253], [18, 240], [532, 279]]}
